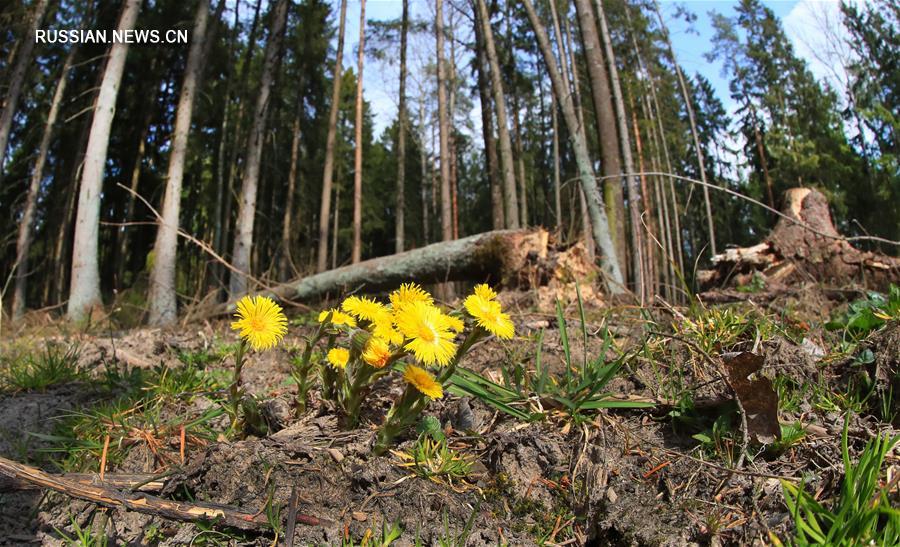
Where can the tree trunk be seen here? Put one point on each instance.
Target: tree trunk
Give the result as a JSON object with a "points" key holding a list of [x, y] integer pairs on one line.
{"points": [[443, 127], [17, 79], [423, 161], [557, 198], [84, 290], [507, 165], [610, 162], [286, 264], [634, 193], [356, 250], [62, 248], [334, 234], [609, 260], [243, 241], [567, 59], [26, 224], [399, 231], [487, 128], [328, 170], [694, 134], [162, 296], [650, 256], [223, 181]]}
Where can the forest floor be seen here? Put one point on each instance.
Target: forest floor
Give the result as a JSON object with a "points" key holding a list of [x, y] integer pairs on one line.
{"points": [[671, 474]]}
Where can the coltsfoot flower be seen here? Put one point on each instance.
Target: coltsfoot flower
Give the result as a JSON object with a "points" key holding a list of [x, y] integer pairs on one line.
{"points": [[423, 381], [338, 357], [260, 321], [363, 308], [488, 313], [337, 318], [377, 352], [429, 336], [409, 293]]}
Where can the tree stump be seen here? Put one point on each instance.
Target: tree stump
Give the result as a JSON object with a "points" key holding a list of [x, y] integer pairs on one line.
{"points": [[803, 247]]}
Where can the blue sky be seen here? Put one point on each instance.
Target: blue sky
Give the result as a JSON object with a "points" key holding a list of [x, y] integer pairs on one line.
{"points": [[800, 18]]}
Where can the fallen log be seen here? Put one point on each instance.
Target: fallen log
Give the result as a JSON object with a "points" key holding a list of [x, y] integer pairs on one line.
{"points": [[142, 502], [803, 246], [511, 258]]}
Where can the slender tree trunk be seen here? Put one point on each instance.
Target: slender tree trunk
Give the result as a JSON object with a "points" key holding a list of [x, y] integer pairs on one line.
{"points": [[84, 291], [650, 255], [443, 126], [26, 224], [17, 78], [328, 170], [487, 127], [609, 260], [162, 296], [62, 249], [520, 162], [557, 198], [672, 247], [517, 131], [567, 62], [423, 161], [634, 193], [450, 72], [286, 265], [610, 162], [507, 165], [694, 134], [356, 250], [243, 241], [223, 180], [334, 231], [399, 230]]}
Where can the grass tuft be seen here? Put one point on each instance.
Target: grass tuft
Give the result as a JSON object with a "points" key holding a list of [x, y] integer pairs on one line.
{"points": [[57, 364]]}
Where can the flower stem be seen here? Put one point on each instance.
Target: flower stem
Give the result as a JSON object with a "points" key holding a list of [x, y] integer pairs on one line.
{"points": [[234, 391]]}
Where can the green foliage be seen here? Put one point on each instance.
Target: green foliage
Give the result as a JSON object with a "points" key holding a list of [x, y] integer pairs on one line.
{"points": [[862, 514], [142, 408], [431, 427], [719, 440], [36, 372], [435, 460], [578, 392], [449, 538], [867, 314], [720, 328], [387, 536], [84, 537]]}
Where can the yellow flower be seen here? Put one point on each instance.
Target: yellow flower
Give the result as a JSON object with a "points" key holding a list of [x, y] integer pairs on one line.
{"points": [[260, 322], [377, 352], [363, 308], [453, 323], [484, 291], [490, 316], [409, 293], [337, 318], [423, 381], [429, 336], [338, 357], [383, 327]]}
